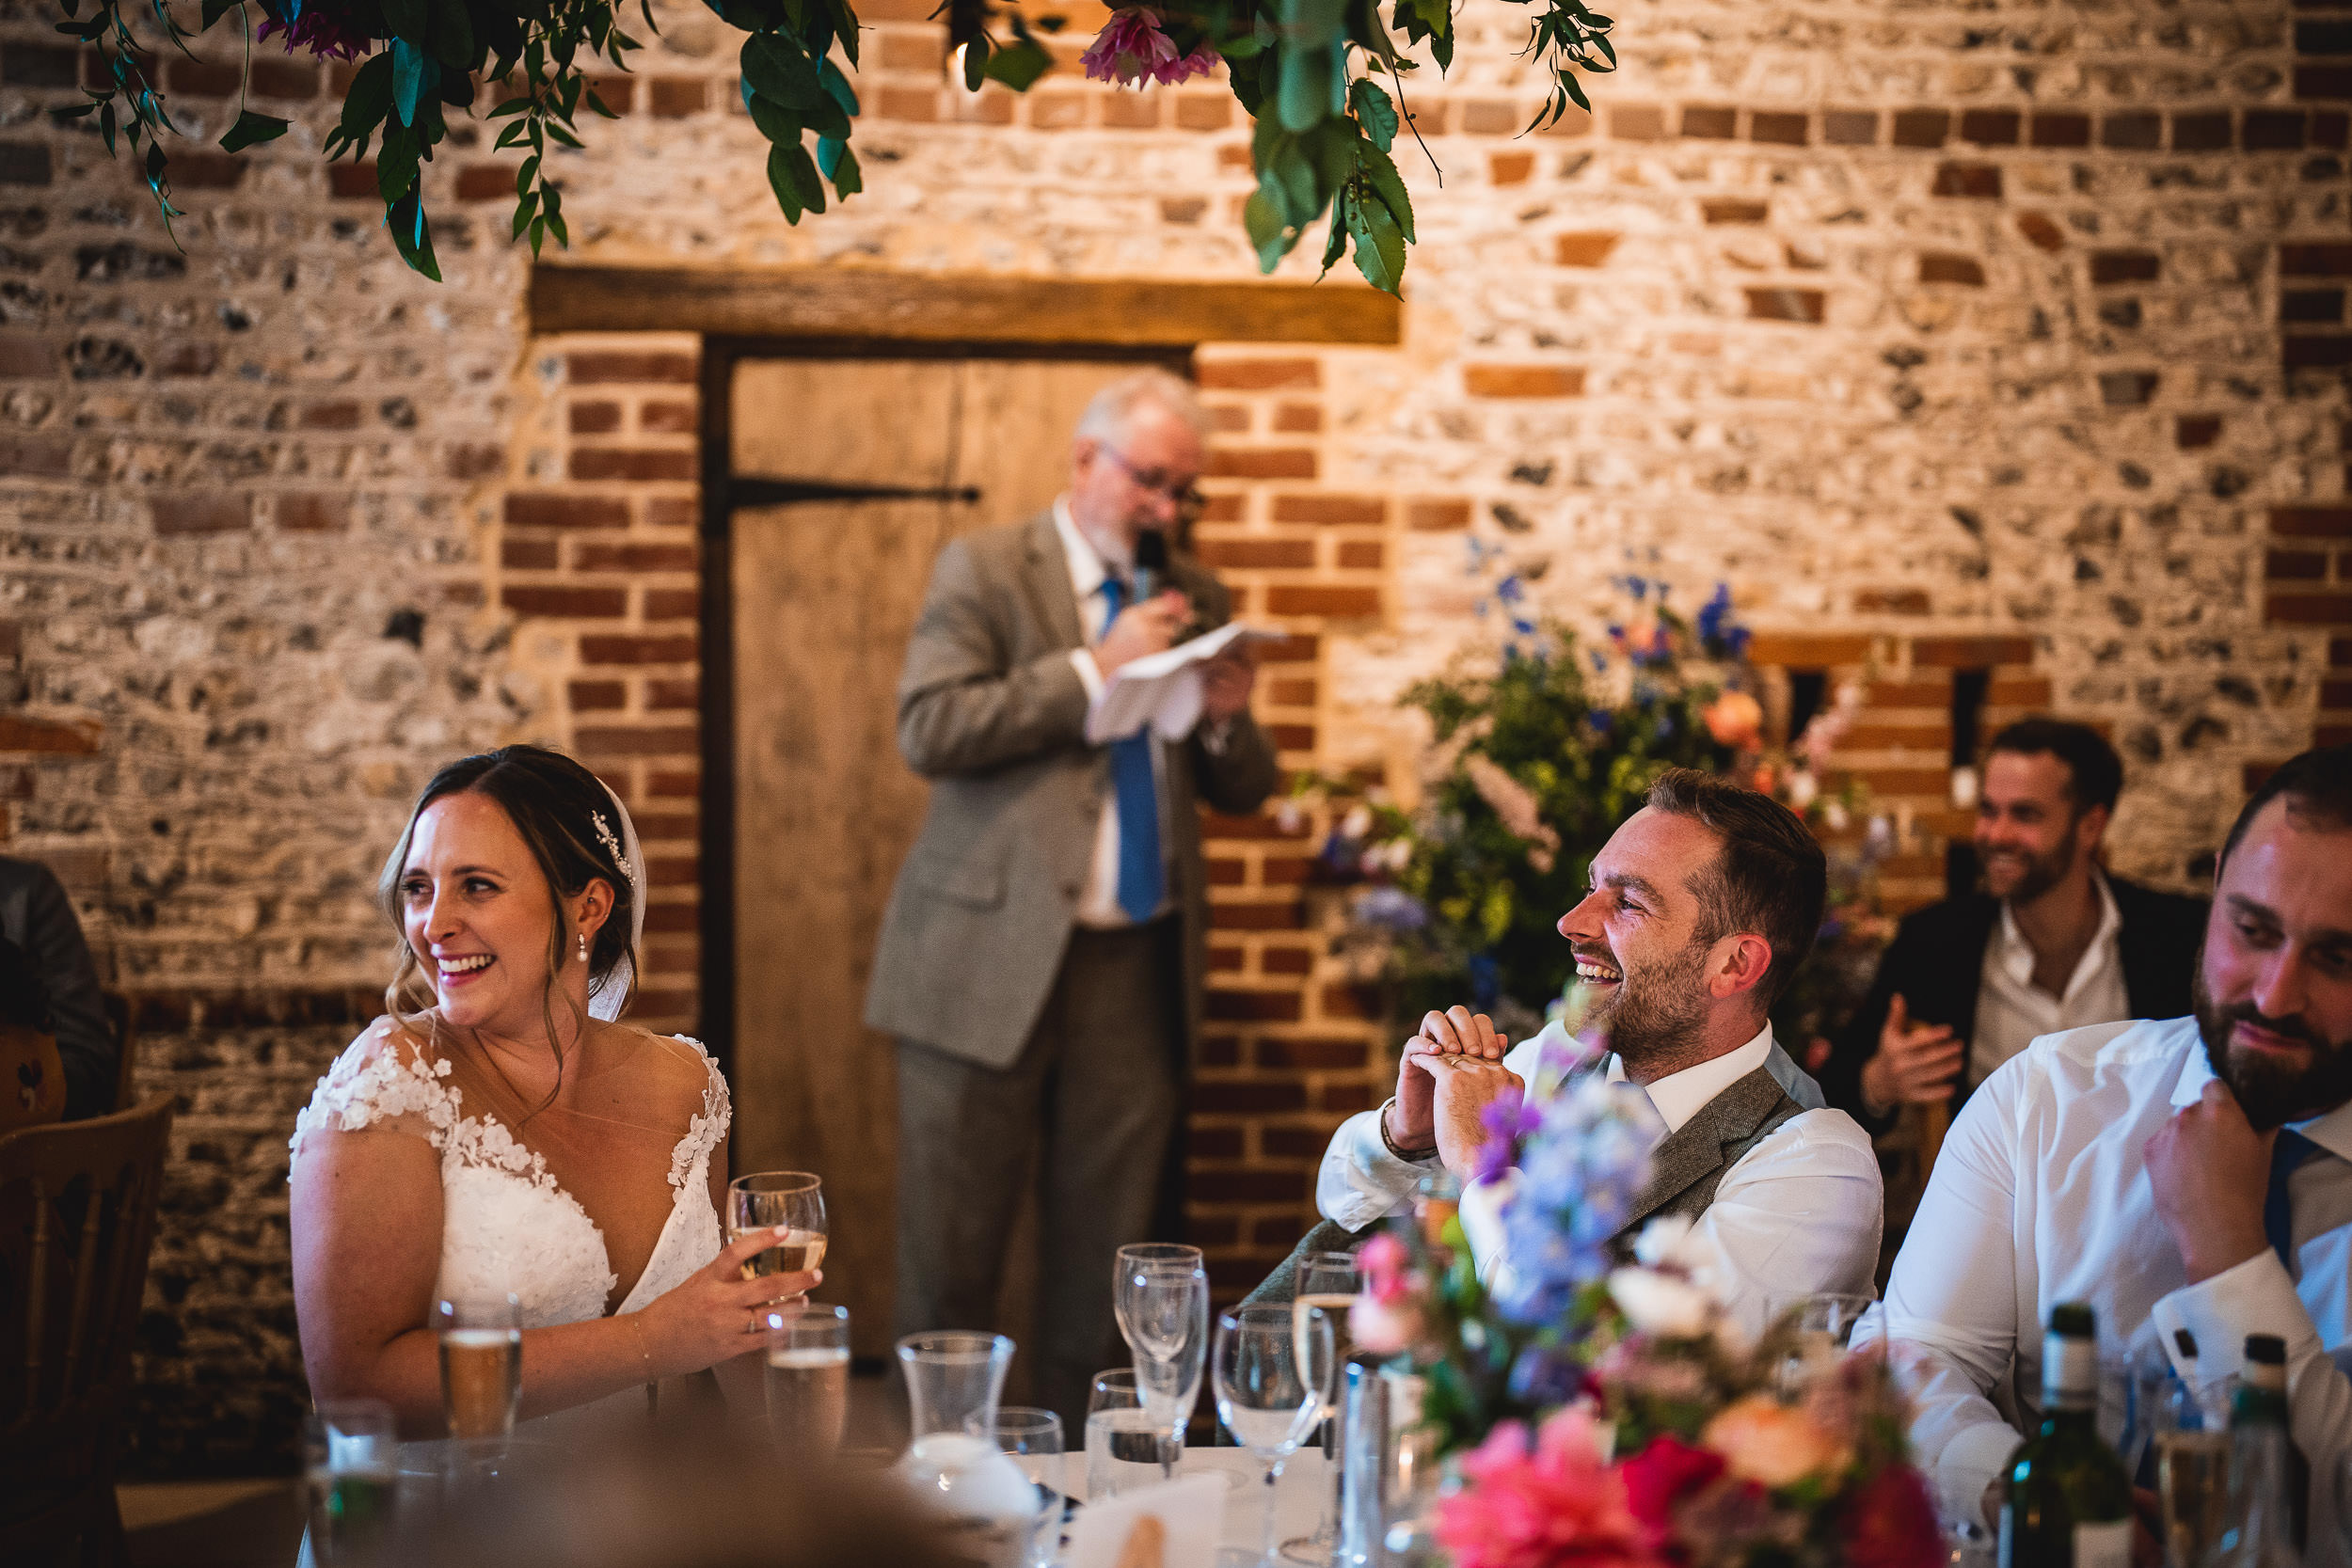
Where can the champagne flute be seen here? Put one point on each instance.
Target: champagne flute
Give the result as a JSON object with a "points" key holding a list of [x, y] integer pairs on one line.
{"points": [[1162, 1301], [808, 1377], [1326, 1283], [482, 1365], [790, 1202], [1269, 1394]]}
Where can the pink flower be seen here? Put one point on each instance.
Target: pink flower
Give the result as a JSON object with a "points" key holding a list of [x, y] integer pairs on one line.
{"points": [[1559, 1507], [1383, 1327], [1132, 49], [1382, 1260]]}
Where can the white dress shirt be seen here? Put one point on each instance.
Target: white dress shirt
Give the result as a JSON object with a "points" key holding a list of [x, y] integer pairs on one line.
{"points": [[1798, 1215], [2012, 1011], [2041, 1196], [1098, 901]]}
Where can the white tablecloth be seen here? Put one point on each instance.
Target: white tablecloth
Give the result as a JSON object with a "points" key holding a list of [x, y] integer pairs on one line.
{"points": [[1298, 1496]]}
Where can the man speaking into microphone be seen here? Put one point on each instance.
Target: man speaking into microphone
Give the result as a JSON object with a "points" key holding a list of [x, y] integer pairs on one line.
{"points": [[1041, 963]]}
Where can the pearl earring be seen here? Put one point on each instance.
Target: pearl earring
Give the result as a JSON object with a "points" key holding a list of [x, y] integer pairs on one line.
{"points": [[584, 947]]}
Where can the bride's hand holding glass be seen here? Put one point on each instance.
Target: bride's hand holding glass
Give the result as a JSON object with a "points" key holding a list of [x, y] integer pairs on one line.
{"points": [[716, 1314]]}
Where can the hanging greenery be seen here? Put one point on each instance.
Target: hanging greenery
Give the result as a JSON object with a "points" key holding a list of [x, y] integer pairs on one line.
{"points": [[1326, 80]]}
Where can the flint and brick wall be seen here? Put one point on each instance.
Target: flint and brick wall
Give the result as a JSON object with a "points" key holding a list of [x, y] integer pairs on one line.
{"points": [[2005, 339]]}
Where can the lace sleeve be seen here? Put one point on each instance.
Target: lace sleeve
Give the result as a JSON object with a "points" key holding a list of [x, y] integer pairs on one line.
{"points": [[383, 1079], [705, 1130]]}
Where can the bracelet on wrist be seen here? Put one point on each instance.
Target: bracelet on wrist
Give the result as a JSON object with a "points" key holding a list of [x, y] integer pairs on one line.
{"points": [[1414, 1155]]}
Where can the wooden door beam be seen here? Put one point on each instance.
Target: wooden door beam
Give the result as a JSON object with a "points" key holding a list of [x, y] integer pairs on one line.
{"points": [[854, 303]]}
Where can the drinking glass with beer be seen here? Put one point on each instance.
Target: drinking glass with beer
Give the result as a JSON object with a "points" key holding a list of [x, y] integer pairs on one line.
{"points": [[808, 1377], [790, 1202], [482, 1364]]}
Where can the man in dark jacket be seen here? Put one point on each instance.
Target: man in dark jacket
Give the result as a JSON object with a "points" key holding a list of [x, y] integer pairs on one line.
{"points": [[2052, 943], [37, 916]]}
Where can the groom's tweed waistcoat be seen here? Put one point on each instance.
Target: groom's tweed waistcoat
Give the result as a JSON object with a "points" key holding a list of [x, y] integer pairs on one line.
{"points": [[1686, 1167]]}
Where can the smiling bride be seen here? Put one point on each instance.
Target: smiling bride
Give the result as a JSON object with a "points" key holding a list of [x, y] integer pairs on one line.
{"points": [[499, 1131]]}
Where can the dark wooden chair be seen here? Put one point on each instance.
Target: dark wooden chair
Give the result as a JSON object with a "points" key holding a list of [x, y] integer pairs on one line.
{"points": [[77, 1212], [126, 1048]]}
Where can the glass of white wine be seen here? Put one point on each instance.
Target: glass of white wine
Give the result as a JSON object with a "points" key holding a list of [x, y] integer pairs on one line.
{"points": [[791, 1202], [808, 1377], [1326, 1283], [482, 1365]]}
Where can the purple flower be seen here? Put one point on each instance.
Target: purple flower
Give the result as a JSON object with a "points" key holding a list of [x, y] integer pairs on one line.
{"points": [[1392, 908], [1132, 50], [326, 30], [1507, 1119]]}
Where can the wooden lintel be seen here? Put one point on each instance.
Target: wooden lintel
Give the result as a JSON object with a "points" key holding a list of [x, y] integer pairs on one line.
{"points": [[849, 303]]}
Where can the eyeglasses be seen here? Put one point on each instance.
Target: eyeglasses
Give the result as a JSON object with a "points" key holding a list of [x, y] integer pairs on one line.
{"points": [[1182, 494]]}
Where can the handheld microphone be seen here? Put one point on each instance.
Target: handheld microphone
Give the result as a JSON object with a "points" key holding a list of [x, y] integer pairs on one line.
{"points": [[1150, 562]]}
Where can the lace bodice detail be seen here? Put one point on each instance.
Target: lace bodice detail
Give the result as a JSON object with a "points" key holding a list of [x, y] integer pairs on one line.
{"points": [[507, 1223]]}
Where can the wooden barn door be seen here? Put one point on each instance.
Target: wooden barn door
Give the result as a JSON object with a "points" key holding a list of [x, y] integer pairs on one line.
{"points": [[846, 477]]}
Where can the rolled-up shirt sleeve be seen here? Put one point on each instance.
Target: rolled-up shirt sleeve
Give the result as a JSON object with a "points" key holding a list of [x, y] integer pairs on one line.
{"points": [[1950, 1318]]}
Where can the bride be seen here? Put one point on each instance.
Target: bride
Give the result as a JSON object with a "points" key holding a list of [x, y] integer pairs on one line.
{"points": [[499, 1131]]}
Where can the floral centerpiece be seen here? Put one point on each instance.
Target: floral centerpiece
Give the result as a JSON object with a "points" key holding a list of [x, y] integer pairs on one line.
{"points": [[1539, 757], [1309, 71], [1598, 1405]]}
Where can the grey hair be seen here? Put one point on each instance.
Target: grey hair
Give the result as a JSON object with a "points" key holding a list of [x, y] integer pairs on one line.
{"points": [[1108, 414]]}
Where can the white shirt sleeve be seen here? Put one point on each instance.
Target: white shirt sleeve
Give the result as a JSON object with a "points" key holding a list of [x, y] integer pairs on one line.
{"points": [[1950, 1318], [2259, 1297], [1361, 1181], [1089, 674]]}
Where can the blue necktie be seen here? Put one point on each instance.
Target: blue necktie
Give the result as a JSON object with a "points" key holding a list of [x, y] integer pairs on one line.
{"points": [[1142, 880], [2291, 1150]]}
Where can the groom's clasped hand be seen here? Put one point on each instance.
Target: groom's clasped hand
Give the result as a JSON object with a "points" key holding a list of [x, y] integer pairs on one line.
{"points": [[1451, 1070]]}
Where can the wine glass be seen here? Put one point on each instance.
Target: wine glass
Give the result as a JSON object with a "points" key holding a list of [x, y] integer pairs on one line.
{"points": [[482, 1365], [1269, 1394], [1327, 1281], [789, 1201], [1162, 1301]]}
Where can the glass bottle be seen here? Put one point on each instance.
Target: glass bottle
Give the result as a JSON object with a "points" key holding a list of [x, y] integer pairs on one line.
{"points": [[2261, 1528], [2066, 1500]]}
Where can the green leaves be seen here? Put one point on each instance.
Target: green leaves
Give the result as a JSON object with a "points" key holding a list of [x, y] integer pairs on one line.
{"points": [[251, 128], [775, 67], [1019, 64], [415, 75], [1380, 243], [1375, 113]]}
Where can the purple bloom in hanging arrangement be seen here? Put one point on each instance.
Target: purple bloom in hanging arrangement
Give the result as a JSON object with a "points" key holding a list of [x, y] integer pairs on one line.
{"points": [[326, 29], [1132, 50]]}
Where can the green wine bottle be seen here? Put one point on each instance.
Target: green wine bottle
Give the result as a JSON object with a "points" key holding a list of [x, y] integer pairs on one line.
{"points": [[2066, 1501]]}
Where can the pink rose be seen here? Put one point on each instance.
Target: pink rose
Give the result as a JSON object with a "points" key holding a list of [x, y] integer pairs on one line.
{"points": [[1557, 1507]]}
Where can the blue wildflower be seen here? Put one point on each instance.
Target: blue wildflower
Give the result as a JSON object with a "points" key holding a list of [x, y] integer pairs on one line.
{"points": [[1486, 978], [1510, 590]]}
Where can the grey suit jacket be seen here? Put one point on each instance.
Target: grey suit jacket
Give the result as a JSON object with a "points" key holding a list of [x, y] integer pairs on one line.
{"points": [[991, 712]]}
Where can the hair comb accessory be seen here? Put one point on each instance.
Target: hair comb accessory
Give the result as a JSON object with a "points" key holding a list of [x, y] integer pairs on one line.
{"points": [[612, 847]]}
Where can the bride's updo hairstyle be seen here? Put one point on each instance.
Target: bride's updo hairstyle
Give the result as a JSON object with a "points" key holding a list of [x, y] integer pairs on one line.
{"points": [[554, 803]]}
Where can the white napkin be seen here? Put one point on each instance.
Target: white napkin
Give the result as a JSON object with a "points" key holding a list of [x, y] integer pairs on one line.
{"points": [[1192, 1511]]}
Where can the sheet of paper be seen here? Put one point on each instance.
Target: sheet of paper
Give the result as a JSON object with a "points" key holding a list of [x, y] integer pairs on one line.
{"points": [[1190, 1510], [1163, 689]]}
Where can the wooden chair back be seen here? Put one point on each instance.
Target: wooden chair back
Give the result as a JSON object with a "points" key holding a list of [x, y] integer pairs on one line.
{"points": [[77, 1214], [126, 1048]]}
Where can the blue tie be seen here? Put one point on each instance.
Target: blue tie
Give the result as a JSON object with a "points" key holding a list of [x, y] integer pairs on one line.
{"points": [[1142, 880], [2291, 1150]]}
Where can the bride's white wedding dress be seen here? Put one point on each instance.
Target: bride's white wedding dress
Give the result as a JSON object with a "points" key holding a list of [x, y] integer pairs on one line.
{"points": [[507, 1223]]}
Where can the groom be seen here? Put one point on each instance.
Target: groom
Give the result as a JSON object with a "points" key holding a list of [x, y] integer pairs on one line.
{"points": [[1702, 904]]}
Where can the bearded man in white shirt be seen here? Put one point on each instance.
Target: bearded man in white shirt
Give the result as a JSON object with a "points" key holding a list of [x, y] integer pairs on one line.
{"points": [[1702, 904], [2191, 1173]]}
